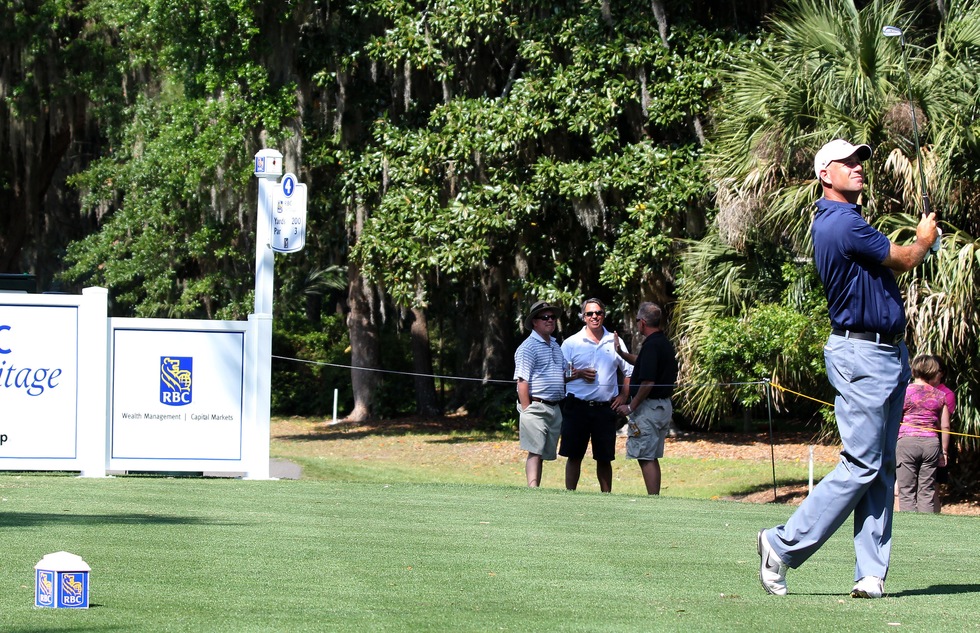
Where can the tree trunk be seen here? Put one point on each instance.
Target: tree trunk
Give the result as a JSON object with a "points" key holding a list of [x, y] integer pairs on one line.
{"points": [[498, 345], [464, 311], [661, 15], [425, 385], [365, 347], [365, 340]]}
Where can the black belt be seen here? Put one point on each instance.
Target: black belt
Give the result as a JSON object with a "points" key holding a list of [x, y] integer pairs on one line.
{"points": [[589, 403], [876, 337], [548, 402]]}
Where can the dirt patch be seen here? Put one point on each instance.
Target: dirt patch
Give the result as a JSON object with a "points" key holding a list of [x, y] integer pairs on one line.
{"points": [[794, 495]]}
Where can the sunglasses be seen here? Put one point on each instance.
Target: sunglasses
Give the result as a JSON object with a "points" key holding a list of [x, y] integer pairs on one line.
{"points": [[595, 313], [545, 317]]}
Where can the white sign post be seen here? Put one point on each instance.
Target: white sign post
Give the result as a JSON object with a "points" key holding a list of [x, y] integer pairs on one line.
{"points": [[258, 364], [280, 227]]}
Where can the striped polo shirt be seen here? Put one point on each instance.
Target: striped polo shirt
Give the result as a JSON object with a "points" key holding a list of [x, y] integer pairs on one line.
{"points": [[541, 364]]}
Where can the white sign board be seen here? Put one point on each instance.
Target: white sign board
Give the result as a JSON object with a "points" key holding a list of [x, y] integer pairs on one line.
{"points": [[177, 393], [39, 365], [289, 215], [52, 382]]}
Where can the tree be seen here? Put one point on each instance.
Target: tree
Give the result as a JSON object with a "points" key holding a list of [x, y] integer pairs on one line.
{"points": [[827, 71], [528, 150], [57, 84], [465, 158], [196, 96]]}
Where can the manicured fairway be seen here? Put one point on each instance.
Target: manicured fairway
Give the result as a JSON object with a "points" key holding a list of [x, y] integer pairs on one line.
{"points": [[228, 555]]}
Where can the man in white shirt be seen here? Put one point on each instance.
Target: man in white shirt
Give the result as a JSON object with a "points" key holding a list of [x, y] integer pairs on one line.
{"points": [[592, 395]]}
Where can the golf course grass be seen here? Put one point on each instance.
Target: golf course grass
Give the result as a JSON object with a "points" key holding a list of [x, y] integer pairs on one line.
{"points": [[322, 554]]}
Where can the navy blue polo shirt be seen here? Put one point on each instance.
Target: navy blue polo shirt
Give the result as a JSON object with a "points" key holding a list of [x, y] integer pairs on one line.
{"points": [[862, 295]]}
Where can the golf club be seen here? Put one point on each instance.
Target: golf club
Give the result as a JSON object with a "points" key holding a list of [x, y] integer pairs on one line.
{"points": [[894, 31]]}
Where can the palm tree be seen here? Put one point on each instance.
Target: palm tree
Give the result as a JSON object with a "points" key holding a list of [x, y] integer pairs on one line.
{"points": [[827, 71]]}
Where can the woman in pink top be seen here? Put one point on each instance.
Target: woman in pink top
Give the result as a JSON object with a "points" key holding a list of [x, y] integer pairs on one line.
{"points": [[949, 450], [921, 450]]}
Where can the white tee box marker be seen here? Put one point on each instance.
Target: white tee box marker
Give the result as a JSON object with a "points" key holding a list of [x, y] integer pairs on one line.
{"points": [[61, 581]]}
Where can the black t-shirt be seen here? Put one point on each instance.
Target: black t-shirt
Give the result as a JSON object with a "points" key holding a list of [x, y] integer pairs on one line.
{"points": [[656, 363]]}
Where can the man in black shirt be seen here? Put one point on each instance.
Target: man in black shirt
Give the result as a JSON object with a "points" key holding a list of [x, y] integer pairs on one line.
{"points": [[652, 384]]}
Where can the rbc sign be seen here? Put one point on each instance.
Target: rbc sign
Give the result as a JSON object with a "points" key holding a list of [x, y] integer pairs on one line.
{"points": [[61, 582], [176, 380]]}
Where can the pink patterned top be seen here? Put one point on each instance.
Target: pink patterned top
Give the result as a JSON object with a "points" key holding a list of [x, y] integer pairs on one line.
{"points": [[921, 413], [950, 397]]}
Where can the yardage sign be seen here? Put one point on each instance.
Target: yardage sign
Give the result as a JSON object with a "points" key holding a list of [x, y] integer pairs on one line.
{"points": [[289, 215]]}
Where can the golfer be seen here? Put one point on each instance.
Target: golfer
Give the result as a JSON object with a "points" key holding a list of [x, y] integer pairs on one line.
{"points": [[868, 366]]}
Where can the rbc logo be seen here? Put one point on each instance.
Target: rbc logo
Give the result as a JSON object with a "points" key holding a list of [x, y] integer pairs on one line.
{"points": [[176, 380], [73, 589], [45, 589]]}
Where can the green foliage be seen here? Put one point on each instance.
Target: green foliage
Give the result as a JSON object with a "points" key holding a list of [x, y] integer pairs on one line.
{"points": [[395, 396], [554, 144], [662, 186], [496, 408], [744, 318], [571, 147], [769, 343], [314, 361], [54, 57], [173, 197], [157, 193]]}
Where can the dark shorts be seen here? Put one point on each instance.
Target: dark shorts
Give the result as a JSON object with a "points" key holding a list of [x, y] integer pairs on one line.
{"points": [[582, 423]]}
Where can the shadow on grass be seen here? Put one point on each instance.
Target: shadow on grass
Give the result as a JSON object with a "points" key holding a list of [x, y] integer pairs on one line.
{"points": [[787, 491], [69, 627], [937, 590], [34, 519], [469, 430], [780, 482]]}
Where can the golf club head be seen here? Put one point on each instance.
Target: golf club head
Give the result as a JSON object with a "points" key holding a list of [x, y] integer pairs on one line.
{"points": [[892, 31]]}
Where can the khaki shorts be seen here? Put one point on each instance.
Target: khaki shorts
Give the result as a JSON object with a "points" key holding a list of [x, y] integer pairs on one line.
{"points": [[539, 429], [647, 429]]}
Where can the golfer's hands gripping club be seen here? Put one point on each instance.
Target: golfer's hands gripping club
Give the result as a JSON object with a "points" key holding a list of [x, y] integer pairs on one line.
{"points": [[927, 232]]}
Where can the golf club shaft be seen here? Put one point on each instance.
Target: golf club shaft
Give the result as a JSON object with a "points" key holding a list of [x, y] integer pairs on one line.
{"points": [[926, 207]]}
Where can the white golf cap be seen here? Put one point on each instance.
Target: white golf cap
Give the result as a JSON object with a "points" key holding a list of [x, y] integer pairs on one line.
{"points": [[838, 149]]}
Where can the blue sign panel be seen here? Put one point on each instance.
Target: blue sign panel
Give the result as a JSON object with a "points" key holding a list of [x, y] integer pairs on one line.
{"points": [[44, 588], [73, 593]]}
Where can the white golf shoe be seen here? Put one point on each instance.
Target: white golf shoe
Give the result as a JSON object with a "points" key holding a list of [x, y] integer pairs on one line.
{"points": [[772, 571], [869, 587]]}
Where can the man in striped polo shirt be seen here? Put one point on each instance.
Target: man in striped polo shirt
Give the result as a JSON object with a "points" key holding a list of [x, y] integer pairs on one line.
{"points": [[539, 369]]}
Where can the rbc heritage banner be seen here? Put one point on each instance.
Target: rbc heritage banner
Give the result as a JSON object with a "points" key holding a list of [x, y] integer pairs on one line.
{"points": [[39, 366]]}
